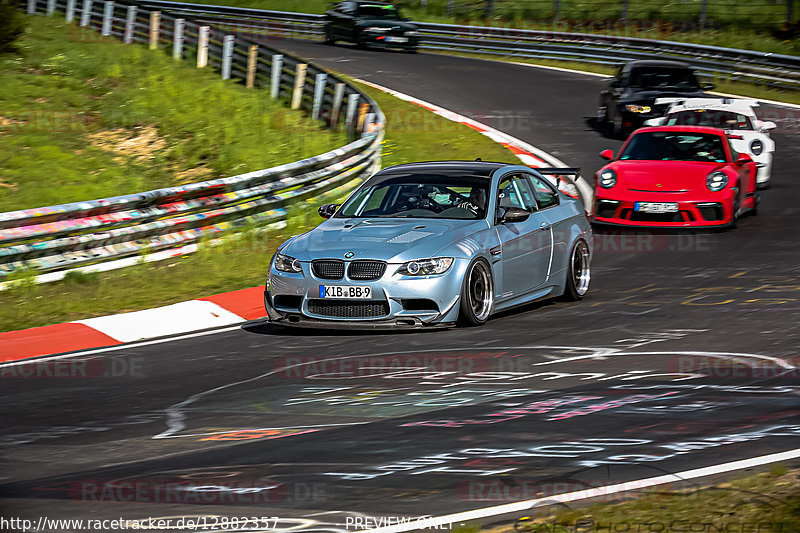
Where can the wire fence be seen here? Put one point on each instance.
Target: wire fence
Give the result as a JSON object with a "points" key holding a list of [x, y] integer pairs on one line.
{"points": [[687, 14]]}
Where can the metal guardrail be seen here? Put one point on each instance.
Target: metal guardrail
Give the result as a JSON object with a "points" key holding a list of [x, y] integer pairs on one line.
{"points": [[58, 238], [762, 68]]}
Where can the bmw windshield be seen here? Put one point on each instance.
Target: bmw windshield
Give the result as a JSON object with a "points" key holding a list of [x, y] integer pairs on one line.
{"points": [[664, 78], [674, 146], [420, 196], [378, 11]]}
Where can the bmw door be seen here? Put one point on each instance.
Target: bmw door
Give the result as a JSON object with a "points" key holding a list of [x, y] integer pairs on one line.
{"points": [[526, 245]]}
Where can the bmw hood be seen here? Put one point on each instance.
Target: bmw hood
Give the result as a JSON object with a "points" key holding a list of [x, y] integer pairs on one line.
{"points": [[391, 240], [664, 176]]}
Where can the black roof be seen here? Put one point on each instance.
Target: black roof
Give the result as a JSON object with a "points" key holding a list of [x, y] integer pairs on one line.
{"points": [[472, 168]]}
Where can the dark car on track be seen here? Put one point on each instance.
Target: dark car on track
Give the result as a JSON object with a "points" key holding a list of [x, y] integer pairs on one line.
{"points": [[370, 24], [629, 98]]}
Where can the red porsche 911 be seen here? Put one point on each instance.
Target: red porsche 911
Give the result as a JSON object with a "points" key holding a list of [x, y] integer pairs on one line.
{"points": [[675, 176]]}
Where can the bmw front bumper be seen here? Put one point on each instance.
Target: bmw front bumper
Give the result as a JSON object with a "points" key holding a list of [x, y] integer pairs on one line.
{"points": [[396, 300]]}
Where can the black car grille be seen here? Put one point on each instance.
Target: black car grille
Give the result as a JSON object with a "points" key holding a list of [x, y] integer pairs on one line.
{"points": [[366, 270], [348, 309], [327, 268]]}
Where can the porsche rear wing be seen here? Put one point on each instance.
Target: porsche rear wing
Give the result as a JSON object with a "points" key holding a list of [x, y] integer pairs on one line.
{"points": [[567, 186]]}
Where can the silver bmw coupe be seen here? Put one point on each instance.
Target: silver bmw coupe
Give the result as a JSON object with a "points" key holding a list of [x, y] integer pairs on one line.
{"points": [[434, 244]]}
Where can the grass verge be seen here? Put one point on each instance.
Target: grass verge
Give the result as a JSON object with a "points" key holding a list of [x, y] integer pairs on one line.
{"points": [[85, 117], [412, 134], [768, 503]]}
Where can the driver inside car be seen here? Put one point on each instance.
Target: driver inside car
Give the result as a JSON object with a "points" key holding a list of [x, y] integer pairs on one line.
{"points": [[476, 202]]}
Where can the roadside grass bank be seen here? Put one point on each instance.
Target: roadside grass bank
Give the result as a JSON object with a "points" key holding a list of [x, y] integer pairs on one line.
{"points": [[768, 502], [85, 117], [742, 25], [412, 134]]}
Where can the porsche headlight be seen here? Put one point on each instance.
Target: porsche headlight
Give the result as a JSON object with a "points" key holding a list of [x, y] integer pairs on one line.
{"points": [[607, 178], [426, 267], [636, 108], [716, 181], [756, 147], [376, 29], [284, 263]]}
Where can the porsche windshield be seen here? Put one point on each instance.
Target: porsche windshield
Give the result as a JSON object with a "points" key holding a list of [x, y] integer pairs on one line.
{"points": [[378, 11], [674, 146], [715, 118], [420, 196]]}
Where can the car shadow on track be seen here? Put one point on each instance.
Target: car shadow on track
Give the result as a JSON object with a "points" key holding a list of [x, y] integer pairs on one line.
{"points": [[263, 327]]}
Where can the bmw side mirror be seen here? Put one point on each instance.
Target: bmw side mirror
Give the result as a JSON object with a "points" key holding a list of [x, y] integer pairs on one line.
{"points": [[607, 154], [514, 214], [327, 210]]}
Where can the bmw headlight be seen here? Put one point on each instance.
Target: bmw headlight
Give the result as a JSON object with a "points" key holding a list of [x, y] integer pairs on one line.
{"points": [[607, 178], [376, 29], [426, 267], [716, 181], [284, 263], [636, 108], [756, 147]]}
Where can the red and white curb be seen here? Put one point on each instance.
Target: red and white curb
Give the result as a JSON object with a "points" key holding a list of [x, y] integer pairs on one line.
{"points": [[528, 154], [222, 309], [211, 312]]}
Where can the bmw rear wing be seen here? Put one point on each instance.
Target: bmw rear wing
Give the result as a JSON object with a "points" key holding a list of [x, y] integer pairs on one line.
{"points": [[567, 186]]}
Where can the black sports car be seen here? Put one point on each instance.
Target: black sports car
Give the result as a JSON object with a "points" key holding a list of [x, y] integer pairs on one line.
{"points": [[629, 99], [374, 24]]}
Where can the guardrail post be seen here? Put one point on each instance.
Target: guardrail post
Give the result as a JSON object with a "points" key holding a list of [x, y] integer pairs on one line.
{"points": [[155, 22], [450, 7], [252, 62], [556, 8], [108, 17], [350, 116], [362, 114], [86, 14], [70, 13], [299, 82], [338, 96], [275, 78], [704, 13], [31, 7], [51, 7], [227, 56], [130, 22], [177, 38], [789, 11], [369, 120], [624, 13], [202, 46], [319, 92]]}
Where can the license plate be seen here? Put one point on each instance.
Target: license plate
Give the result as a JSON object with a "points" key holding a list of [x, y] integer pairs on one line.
{"points": [[656, 207], [390, 39], [348, 292]]}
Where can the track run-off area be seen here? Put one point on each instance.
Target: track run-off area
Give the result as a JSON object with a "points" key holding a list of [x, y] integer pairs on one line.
{"points": [[683, 355]]}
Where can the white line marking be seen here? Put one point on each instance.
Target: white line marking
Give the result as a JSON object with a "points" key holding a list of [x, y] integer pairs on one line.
{"points": [[447, 520]]}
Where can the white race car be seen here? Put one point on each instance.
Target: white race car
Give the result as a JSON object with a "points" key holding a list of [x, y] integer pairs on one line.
{"points": [[747, 133]]}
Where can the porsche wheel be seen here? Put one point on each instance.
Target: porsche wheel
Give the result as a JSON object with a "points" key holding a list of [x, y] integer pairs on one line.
{"points": [[477, 294], [579, 272]]}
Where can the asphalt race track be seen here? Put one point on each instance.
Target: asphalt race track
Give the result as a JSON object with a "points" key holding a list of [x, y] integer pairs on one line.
{"points": [[681, 356]]}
